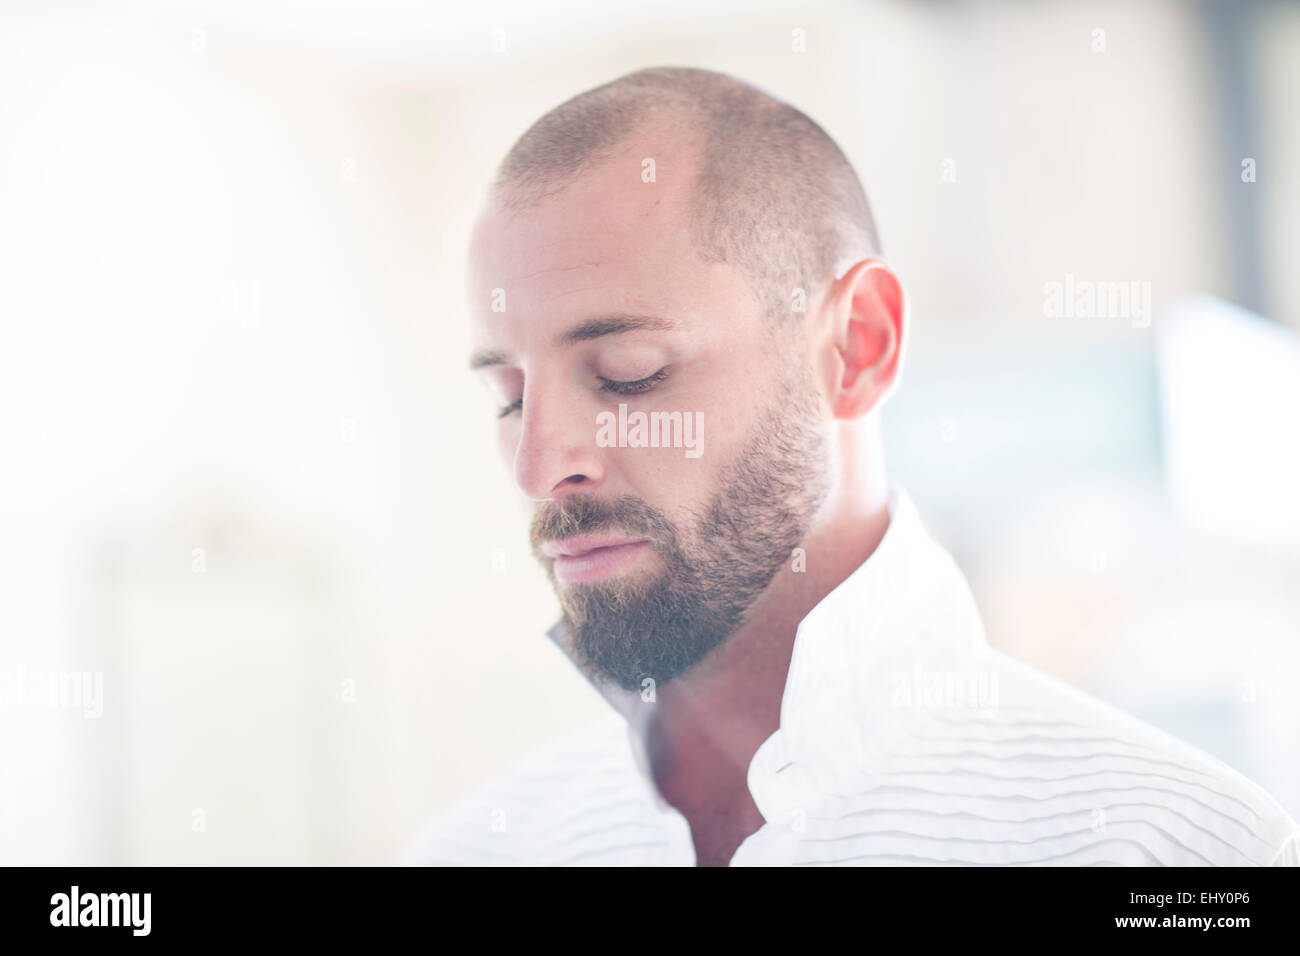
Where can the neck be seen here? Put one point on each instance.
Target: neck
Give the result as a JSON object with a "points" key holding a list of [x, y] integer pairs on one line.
{"points": [[704, 728]]}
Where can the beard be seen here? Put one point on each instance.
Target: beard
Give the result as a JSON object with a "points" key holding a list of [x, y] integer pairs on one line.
{"points": [[659, 626]]}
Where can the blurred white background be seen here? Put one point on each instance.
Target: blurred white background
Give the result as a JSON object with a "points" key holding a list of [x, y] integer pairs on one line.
{"points": [[248, 480]]}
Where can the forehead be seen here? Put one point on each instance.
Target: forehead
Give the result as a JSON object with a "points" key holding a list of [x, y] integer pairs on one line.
{"points": [[608, 242]]}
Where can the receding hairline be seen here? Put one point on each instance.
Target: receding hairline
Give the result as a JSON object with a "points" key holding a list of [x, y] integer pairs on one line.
{"points": [[773, 194]]}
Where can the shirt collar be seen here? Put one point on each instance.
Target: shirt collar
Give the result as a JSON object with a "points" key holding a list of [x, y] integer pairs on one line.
{"points": [[867, 656]]}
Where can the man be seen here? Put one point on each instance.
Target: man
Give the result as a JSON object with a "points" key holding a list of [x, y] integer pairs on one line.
{"points": [[679, 302]]}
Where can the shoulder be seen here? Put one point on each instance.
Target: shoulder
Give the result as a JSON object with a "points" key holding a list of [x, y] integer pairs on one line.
{"points": [[537, 810], [1049, 773]]}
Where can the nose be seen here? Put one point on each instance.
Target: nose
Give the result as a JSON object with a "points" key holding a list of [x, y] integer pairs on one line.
{"points": [[556, 454]]}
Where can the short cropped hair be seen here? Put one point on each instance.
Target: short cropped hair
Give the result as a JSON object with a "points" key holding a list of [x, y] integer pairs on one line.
{"points": [[774, 196]]}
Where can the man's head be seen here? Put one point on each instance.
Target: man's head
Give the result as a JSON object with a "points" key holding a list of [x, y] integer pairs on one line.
{"points": [[677, 242]]}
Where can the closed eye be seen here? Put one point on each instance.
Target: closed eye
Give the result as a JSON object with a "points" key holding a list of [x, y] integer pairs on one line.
{"points": [[638, 387], [634, 388]]}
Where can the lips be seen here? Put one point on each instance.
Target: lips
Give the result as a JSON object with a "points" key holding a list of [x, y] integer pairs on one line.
{"points": [[591, 557], [584, 544]]}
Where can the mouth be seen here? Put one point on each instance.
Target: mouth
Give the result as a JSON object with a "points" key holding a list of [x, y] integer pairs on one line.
{"points": [[589, 557]]}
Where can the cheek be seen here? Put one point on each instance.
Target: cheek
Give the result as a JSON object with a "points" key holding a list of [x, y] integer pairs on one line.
{"points": [[680, 488]]}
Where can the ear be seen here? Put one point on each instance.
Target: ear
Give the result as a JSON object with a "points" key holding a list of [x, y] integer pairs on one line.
{"points": [[869, 312]]}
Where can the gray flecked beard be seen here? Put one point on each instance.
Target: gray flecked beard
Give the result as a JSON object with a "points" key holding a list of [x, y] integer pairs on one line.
{"points": [[662, 625]]}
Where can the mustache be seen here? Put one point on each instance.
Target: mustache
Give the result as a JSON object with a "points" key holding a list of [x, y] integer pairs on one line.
{"points": [[558, 520]]}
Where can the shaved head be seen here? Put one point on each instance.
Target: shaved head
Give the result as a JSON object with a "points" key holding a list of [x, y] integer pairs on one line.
{"points": [[774, 197]]}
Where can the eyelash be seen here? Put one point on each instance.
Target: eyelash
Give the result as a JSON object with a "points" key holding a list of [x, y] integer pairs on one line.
{"points": [[639, 387], [634, 388]]}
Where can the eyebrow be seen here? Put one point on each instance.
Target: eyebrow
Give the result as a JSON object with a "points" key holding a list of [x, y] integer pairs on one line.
{"points": [[484, 357], [584, 332]]}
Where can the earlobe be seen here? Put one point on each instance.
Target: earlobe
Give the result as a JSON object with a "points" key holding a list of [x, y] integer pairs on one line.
{"points": [[871, 315]]}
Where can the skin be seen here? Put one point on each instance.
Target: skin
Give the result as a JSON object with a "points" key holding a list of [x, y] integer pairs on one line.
{"points": [[610, 244]]}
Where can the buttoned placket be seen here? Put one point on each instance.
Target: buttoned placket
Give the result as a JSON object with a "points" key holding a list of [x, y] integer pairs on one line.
{"points": [[784, 796], [779, 787]]}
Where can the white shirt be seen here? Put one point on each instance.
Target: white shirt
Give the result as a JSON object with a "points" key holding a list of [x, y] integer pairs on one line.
{"points": [[904, 739]]}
